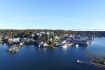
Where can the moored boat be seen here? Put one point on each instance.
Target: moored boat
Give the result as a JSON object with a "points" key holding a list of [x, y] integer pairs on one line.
{"points": [[13, 50]]}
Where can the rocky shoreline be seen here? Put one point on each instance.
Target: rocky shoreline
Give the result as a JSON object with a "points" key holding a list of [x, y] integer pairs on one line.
{"points": [[45, 38], [98, 62]]}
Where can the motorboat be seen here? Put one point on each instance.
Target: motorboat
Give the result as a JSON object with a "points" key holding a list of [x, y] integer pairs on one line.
{"points": [[64, 46], [77, 45], [78, 61], [13, 50]]}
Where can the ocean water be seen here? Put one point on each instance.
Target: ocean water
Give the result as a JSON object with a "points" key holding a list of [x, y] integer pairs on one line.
{"points": [[33, 58]]}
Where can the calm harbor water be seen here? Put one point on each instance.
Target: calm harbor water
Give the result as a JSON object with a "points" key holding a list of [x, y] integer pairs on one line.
{"points": [[33, 58]]}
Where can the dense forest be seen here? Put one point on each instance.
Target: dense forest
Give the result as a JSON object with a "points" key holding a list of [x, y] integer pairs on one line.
{"points": [[28, 32]]}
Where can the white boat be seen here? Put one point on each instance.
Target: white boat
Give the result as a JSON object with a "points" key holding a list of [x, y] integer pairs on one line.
{"points": [[21, 44], [45, 45], [78, 61], [13, 50], [64, 46], [77, 45], [70, 44]]}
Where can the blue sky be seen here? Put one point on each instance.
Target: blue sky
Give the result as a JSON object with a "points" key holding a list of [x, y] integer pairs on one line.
{"points": [[52, 14]]}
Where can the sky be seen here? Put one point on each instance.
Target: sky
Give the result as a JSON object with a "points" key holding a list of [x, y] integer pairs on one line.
{"points": [[52, 14]]}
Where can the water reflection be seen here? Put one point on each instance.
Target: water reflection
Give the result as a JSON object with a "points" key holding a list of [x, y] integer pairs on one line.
{"points": [[64, 50]]}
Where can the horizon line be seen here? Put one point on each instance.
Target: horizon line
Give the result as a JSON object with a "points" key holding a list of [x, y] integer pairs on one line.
{"points": [[52, 29]]}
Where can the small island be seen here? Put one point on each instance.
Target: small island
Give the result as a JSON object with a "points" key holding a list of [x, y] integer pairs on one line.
{"points": [[99, 62]]}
